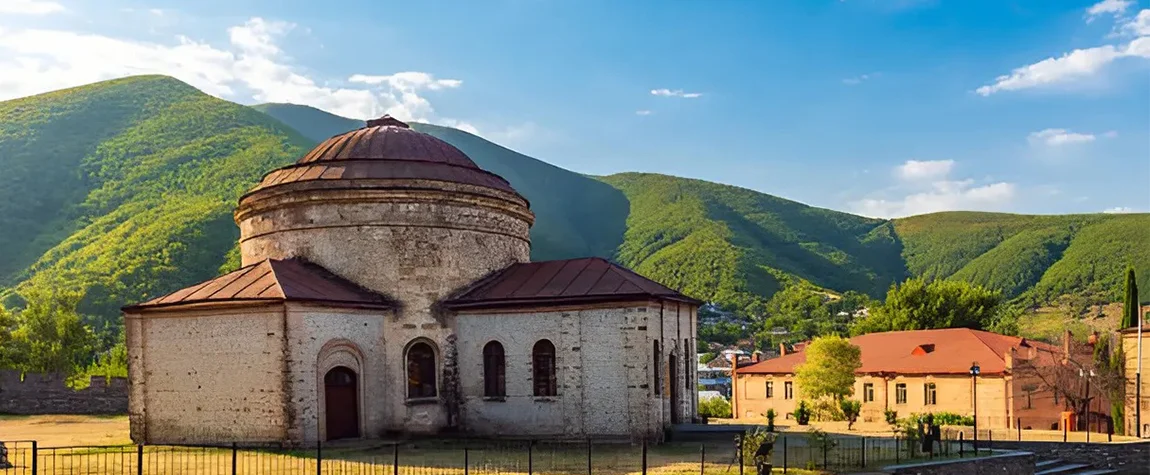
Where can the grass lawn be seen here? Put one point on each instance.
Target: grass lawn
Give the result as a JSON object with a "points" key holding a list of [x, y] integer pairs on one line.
{"points": [[115, 455]]}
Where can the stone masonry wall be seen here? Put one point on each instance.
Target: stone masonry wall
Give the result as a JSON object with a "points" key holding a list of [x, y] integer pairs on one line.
{"points": [[48, 394], [208, 376], [1007, 464], [1126, 457]]}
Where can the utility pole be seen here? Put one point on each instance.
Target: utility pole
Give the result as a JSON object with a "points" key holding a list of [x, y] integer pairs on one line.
{"points": [[1138, 386]]}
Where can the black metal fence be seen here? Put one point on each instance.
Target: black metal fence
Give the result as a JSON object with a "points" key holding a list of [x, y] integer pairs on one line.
{"points": [[791, 450]]}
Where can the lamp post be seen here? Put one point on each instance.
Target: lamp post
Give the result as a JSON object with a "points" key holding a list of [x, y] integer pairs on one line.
{"points": [[974, 370], [1087, 375]]}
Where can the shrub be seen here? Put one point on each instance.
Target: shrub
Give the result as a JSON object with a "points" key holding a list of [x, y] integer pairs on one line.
{"points": [[891, 416], [802, 414], [715, 407], [751, 442], [952, 419], [820, 440], [771, 415], [826, 410], [851, 410]]}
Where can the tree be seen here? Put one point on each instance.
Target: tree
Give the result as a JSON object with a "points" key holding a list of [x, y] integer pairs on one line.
{"points": [[918, 305], [1130, 307], [829, 369], [851, 409], [1077, 377], [50, 336]]}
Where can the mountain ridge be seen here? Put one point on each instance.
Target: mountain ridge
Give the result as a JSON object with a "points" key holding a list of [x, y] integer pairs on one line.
{"points": [[160, 166]]}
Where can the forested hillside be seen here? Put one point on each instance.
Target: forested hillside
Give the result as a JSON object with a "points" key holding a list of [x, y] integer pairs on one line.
{"points": [[737, 246], [124, 190]]}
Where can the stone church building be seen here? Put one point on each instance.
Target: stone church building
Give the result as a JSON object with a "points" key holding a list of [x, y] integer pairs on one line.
{"points": [[386, 289]]}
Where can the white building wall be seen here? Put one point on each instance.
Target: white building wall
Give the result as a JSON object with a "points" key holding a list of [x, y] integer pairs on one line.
{"points": [[209, 376]]}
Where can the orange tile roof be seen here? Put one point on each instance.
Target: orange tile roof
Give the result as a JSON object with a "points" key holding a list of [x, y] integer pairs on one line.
{"points": [[910, 352]]}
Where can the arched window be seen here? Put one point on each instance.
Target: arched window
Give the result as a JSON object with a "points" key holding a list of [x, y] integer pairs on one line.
{"points": [[657, 368], [543, 368], [494, 384], [420, 371]]}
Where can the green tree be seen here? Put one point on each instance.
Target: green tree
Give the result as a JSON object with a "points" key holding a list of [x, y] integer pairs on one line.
{"points": [[829, 369], [50, 336], [851, 410], [1130, 305], [917, 305], [8, 350]]}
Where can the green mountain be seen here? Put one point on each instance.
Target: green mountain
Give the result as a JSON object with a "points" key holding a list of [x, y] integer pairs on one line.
{"points": [[123, 190]]}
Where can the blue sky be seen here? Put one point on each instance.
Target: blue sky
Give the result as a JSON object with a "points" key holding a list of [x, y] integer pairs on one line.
{"points": [[879, 107]]}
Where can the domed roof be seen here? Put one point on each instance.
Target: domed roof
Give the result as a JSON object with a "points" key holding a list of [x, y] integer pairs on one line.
{"points": [[385, 149]]}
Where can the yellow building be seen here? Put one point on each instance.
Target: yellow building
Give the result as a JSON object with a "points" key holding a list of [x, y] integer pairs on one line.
{"points": [[922, 371], [1130, 348]]}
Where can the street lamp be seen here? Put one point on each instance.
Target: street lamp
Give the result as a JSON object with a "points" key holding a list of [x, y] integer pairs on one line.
{"points": [[1087, 375], [974, 370]]}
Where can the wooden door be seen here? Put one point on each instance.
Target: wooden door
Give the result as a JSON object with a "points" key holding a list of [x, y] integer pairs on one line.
{"points": [[341, 403]]}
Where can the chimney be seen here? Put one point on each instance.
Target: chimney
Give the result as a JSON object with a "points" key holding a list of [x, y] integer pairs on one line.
{"points": [[782, 349], [755, 356]]}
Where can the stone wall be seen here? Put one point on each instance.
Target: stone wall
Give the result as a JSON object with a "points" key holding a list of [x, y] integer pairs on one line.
{"points": [[48, 394], [208, 376], [1021, 463], [1126, 457]]}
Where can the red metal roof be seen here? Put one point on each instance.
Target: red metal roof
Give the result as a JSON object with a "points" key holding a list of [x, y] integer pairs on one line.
{"points": [[572, 281], [910, 352], [385, 149], [273, 280]]}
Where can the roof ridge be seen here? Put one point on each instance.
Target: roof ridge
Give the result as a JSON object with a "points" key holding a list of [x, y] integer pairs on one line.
{"points": [[978, 335]]}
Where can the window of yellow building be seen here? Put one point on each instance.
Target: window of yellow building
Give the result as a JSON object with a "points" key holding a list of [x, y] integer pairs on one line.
{"points": [[788, 391], [929, 394], [900, 393], [770, 389], [868, 392]]}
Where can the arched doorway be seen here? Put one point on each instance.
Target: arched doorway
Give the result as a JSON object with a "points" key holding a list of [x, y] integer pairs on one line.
{"points": [[341, 403]]}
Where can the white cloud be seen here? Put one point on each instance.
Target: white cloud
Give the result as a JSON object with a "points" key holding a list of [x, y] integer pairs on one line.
{"points": [[1139, 25], [926, 187], [1059, 137], [251, 67], [1119, 209], [1113, 7], [924, 170], [643, 112], [29, 7], [675, 93], [1081, 63]]}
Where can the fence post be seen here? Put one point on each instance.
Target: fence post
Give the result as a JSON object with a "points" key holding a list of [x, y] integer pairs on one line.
{"points": [[530, 457], [395, 458], [961, 449], [702, 458], [824, 453], [863, 463], [897, 449], [140, 459], [989, 439], [466, 456], [588, 456], [318, 457], [234, 458], [645, 457], [1064, 432], [35, 456], [1018, 423], [784, 454]]}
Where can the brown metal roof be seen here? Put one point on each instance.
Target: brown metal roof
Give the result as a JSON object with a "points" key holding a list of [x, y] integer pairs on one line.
{"points": [[385, 149], [573, 281], [273, 280]]}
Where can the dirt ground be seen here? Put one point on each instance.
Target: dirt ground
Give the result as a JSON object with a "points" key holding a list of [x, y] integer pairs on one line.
{"points": [[66, 431]]}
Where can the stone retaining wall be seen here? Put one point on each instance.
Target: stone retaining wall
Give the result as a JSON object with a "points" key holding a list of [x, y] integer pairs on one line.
{"points": [[1126, 457], [48, 394], [1017, 463]]}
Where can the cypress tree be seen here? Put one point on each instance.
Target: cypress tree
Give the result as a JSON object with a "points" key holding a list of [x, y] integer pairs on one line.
{"points": [[1130, 304]]}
